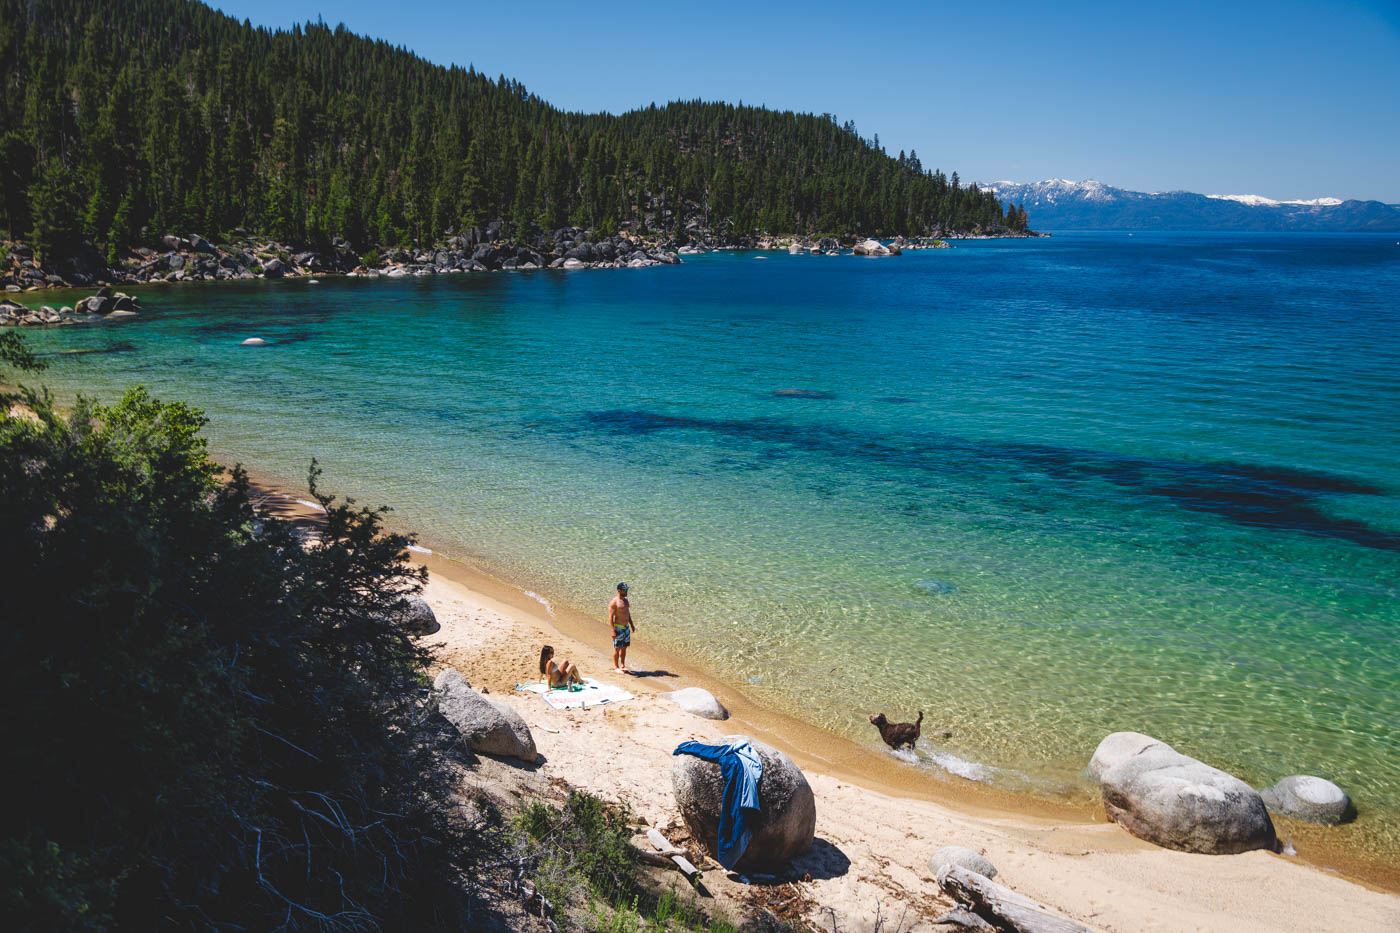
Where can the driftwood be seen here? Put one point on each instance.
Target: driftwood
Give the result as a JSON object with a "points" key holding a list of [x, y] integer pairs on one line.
{"points": [[962, 917], [677, 856], [1000, 905]]}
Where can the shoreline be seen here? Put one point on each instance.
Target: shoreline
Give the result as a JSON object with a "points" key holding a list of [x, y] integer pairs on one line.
{"points": [[195, 259], [1024, 816]]}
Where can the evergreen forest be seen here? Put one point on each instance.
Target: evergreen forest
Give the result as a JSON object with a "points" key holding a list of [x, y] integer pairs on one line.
{"points": [[122, 120]]}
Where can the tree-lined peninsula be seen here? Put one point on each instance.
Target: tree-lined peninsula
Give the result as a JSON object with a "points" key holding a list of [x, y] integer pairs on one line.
{"points": [[124, 121]]}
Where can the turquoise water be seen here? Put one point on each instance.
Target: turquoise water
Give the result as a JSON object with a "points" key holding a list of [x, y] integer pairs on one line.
{"points": [[1041, 490]]}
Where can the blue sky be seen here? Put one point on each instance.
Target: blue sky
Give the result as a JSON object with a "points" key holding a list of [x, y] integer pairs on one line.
{"points": [[1284, 99]]}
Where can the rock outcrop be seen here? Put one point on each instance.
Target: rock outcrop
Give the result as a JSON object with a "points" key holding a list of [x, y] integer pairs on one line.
{"points": [[872, 248], [105, 303], [787, 819], [486, 726], [1308, 798], [698, 702], [1175, 801]]}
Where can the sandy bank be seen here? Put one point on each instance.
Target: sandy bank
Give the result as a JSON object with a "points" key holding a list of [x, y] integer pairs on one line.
{"points": [[878, 819]]}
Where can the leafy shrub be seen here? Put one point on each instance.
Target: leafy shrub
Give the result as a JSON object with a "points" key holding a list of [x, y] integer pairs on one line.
{"points": [[209, 720]]}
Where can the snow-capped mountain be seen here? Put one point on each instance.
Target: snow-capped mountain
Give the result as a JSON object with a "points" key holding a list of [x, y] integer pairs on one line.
{"points": [[1258, 200], [1060, 204]]}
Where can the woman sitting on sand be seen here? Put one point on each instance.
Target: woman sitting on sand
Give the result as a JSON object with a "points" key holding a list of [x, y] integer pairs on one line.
{"points": [[558, 673]]}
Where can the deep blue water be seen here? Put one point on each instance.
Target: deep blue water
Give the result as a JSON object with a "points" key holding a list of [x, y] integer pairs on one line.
{"points": [[1041, 490]]}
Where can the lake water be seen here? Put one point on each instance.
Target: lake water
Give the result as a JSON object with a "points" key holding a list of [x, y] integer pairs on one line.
{"points": [[1042, 490]]}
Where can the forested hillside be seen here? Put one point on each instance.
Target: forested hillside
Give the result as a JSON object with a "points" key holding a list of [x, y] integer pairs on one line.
{"points": [[121, 120]]}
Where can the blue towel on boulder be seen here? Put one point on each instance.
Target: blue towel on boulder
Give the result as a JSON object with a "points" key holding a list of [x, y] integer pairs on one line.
{"points": [[741, 768]]}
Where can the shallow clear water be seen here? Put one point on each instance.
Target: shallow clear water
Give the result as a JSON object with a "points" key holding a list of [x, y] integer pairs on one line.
{"points": [[1041, 490]]}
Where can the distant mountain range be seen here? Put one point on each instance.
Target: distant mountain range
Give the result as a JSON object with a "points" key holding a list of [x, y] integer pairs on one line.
{"points": [[1058, 204]]}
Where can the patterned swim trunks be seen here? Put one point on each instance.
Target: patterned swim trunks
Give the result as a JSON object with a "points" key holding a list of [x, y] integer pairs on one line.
{"points": [[622, 637]]}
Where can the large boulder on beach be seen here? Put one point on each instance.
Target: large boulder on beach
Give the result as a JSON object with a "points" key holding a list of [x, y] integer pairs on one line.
{"points": [[1170, 799], [787, 818], [418, 617], [963, 857], [698, 702], [1308, 798], [871, 248], [486, 726]]}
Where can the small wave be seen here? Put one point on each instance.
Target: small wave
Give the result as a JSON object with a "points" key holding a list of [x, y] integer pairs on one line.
{"points": [[310, 505], [541, 600], [961, 766], [946, 761], [419, 550]]}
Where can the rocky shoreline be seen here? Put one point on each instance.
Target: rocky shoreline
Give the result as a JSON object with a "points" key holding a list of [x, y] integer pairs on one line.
{"points": [[106, 303], [495, 247]]}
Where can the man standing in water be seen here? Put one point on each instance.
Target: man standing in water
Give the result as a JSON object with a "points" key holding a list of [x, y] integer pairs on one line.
{"points": [[620, 618]]}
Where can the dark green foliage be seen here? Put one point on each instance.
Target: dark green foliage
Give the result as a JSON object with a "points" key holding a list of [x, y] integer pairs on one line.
{"points": [[208, 723], [589, 840], [167, 115], [15, 352]]}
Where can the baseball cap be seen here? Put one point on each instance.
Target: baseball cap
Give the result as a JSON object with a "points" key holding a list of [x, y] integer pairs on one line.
{"points": [[622, 586]]}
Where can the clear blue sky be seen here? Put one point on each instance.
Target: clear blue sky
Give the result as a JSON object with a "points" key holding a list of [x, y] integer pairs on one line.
{"points": [[1284, 99]]}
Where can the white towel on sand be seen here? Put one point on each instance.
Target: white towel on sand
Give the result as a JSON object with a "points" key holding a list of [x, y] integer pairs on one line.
{"points": [[592, 694]]}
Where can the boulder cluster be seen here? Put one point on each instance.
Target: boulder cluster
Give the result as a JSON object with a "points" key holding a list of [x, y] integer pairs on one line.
{"points": [[106, 303], [491, 248], [1158, 794], [1173, 800], [498, 245], [194, 258]]}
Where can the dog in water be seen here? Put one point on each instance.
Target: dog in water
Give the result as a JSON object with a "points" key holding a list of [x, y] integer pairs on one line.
{"points": [[896, 734]]}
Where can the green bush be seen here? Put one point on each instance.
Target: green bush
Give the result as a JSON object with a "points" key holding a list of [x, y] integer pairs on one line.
{"points": [[583, 859], [210, 720]]}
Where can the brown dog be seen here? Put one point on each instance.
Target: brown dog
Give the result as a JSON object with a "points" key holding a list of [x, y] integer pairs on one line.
{"points": [[896, 734]]}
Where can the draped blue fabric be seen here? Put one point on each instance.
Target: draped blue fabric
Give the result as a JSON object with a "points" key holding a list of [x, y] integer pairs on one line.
{"points": [[741, 768]]}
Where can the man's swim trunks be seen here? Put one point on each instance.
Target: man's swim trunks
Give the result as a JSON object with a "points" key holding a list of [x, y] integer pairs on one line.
{"points": [[622, 637]]}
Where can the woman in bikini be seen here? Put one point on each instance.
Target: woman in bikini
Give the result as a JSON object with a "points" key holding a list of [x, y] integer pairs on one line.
{"points": [[558, 673]]}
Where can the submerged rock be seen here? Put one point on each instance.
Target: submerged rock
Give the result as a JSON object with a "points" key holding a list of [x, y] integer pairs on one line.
{"points": [[254, 342], [1313, 799], [804, 393], [1170, 799]]}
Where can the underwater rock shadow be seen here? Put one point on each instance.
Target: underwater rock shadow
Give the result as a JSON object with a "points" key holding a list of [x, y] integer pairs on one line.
{"points": [[1270, 497]]}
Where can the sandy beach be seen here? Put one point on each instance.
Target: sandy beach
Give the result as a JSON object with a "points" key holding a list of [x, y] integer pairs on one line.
{"points": [[878, 818]]}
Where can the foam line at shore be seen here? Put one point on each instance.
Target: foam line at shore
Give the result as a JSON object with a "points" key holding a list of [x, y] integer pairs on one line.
{"points": [[541, 600]]}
